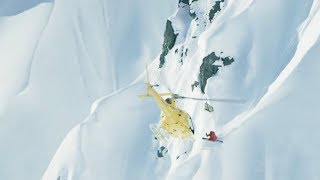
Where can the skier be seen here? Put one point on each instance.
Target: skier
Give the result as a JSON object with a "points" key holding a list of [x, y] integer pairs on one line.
{"points": [[212, 137]]}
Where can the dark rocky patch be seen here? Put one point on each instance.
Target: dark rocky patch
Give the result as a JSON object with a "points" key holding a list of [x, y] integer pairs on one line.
{"points": [[192, 14], [215, 8], [227, 60], [208, 107], [168, 42], [195, 84], [162, 152], [184, 1], [209, 69]]}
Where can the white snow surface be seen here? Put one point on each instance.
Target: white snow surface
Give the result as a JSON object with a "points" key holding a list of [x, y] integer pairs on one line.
{"points": [[58, 57], [69, 61], [271, 135]]}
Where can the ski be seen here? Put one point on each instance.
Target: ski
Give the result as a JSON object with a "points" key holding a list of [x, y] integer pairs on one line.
{"points": [[220, 141]]}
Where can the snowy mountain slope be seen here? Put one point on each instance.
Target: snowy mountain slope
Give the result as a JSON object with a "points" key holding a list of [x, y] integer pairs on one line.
{"points": [[19, 49], [308, 35], [115, 132], [56, 58], [274, 72], [280, 140], [260, 52]]}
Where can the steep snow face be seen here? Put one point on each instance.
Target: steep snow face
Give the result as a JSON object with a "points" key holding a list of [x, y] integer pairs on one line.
{"points": [[117, 136], [56, 58], [18, 42], [268, 100], [17, 49], [280, 139], [261, 49]]}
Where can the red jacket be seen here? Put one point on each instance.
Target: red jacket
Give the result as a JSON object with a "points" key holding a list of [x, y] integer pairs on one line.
{"points": [[212, 136]]}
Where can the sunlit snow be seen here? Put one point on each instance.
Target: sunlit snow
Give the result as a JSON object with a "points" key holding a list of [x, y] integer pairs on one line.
{"points": [[71, 72]]}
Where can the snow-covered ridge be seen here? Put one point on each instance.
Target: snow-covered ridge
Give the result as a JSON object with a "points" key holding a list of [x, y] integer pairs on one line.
{"points": [[275, 64], [308, 35]]}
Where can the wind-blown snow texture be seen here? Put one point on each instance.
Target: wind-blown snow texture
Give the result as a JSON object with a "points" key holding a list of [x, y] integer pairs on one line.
{"points": [[271, 134]]}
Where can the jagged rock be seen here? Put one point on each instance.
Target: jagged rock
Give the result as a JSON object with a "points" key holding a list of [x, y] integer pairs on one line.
{"points": [[208, 107], [168, 42], [195, 84], [227, 61], [215, 8], [207, 69], [192, 14], [162, 152], [184, 1]]}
